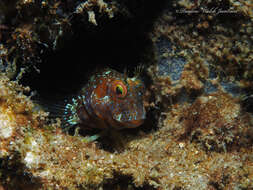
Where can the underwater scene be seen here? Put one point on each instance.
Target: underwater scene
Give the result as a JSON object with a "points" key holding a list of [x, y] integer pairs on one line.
{"points": [[126, 95]]}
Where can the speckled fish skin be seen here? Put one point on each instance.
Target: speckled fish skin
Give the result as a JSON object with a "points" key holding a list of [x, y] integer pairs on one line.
{"points": [[109, 100]]}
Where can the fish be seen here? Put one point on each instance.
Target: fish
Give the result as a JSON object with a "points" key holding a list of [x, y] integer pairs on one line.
{"points": [[110, 100]]}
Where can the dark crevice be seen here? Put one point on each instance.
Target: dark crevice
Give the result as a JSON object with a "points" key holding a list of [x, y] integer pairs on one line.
{"points": [[118, 43]]}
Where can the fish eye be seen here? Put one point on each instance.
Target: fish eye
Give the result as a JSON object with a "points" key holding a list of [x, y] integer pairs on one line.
{"points": [[120, 89]]}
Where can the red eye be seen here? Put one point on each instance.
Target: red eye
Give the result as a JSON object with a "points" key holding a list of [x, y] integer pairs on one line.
{"points": [[119, 89]]}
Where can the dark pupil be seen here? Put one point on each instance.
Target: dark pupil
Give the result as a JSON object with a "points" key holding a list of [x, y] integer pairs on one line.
{"points": [[119, 90]]}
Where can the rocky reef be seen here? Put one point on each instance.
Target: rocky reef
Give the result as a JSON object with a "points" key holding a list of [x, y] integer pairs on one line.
{"points": [[197, 67]]}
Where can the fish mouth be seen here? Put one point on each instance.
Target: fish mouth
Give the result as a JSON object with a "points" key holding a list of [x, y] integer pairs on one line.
{"points": [[134, 123], [130, 120]]}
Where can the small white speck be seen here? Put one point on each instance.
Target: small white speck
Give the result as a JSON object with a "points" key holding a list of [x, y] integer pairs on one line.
{"points": [[181, 145], [34, 144], [118, 117], [45, 173], [106, 99], [134, 79], [31, 159]]}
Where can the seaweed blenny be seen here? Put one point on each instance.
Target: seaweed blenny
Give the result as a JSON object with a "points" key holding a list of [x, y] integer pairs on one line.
{"points": [[109, 100]]}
